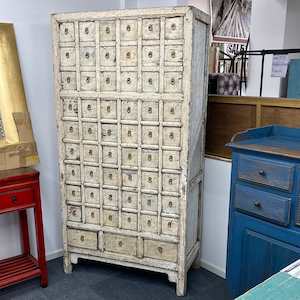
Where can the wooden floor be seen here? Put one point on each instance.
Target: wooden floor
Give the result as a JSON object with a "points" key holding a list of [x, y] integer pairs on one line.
{"points": [[91, 280]]}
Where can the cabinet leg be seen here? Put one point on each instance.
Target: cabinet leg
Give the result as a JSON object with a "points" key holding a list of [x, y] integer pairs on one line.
{"points": [[181, 285], [68, 268]]}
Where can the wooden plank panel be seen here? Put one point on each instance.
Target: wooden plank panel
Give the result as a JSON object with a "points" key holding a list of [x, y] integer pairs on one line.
{"points": [[286, 116], [223, 121]]}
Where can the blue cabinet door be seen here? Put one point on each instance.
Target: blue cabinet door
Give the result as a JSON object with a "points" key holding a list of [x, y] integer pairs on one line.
{"points": [[255, 252]]}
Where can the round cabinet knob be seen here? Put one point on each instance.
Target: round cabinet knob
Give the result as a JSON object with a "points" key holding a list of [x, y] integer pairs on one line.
{"points": [[150, 54], [150, 27], [173, 54], [128, 81], [149, 110], [107, 55], [86, 30], [169, 224], [92, 195], [82, 238], [88, 79], [160, 250], [73, 193], [107, 30], [262, 173], [109, 154], [110, 197], [149, 223], [172, 81], [107, 80], [170, 204], [66, 31], [110, 176], [109, 132], [128, 55], [67, 55], [129, 156], [110, 217], [108, 108], [68, 79], [257, 204], [87, 55], [149, 157], [71, 129], [128, 28], [173, 26], [129, 200], [128, 110], [150, 81], [129, 220], [90, 152], [89, 107], [120, 243]]}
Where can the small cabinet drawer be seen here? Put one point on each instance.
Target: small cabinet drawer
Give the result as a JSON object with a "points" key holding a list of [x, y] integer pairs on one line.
{"points": [[68, 80], [82, 239], [88, 81], [110, 155], [149, 202], [66, 32], [151, 56], [71, 130], [110, 197], [108, 81], [67, 57], [267, 172], [174, 28], [120, 244], [173, 82], [110, 176], [169, 226], [73, 193], [89, 108], [129, 110], [262, 204], [109, 133], [91, 174], [72, 151], [129, 157], [173, 55], [129, 199], [149, 180], [150, 111], [170, 204], [107, 30], [129, 221], [150, 158], [91, 195], [128, 56], [90, 153], [107, 56], [108, 109], [151, 29], [92, 215], [150, 82], [128, 81], [16, 198], [110, 218], [149, 223], [87, 31], [70, 107], [129, 30], [160, 250], [87, 56], [72, 173], [74, 213]]}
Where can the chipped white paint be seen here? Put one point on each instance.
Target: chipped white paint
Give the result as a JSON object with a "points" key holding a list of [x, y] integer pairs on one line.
{"points": [[131, 105]]}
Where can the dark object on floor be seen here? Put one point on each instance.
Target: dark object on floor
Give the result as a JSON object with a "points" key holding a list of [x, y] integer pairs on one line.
{"points": [[99, 281], [224, 84], [20, 190], [264, 226]]}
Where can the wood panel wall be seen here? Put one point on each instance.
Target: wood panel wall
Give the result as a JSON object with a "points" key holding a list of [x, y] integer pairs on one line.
{"points": [[227, 115]]}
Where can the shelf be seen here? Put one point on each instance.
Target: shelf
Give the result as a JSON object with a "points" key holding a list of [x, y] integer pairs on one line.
{"points": [[17, 269]]}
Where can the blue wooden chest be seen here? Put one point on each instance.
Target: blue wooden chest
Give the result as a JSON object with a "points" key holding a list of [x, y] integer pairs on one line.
{"points": [[264, 224]]}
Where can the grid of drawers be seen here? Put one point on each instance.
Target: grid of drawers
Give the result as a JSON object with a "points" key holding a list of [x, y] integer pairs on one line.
{"points": [[122, 155], [123, 170], [127, 55]]}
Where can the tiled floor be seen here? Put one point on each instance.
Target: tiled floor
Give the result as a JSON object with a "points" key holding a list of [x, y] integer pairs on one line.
{"points": [[92, 280]]}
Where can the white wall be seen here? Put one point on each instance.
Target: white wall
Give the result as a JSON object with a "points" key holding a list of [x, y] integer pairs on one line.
{"points": [[268, 20], [215, 215], [32, 26]]}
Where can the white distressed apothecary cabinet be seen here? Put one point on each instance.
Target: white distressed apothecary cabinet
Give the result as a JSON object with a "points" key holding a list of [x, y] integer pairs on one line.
{"points": [[131, 108]]}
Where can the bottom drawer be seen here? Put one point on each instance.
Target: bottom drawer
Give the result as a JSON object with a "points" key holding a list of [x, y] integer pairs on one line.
{"points": [[82, 239], [160, 250], [120, 244]]}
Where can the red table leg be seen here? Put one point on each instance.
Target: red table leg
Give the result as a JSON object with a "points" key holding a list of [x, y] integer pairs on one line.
{"points": [[25, 234], [40, 237]]}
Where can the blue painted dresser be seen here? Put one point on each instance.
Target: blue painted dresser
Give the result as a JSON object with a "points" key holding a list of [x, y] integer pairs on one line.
{"points": [[264, 224]]}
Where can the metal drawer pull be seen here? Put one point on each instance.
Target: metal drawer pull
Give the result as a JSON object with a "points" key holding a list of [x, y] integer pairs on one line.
{"points": [[160, 249], [110, 197], [257, 204], [82, 238], [128, 219], [86, 30], [120, 243], [109, 154], [129, 199], [87, 55], [67, 55], [68, 79], [14, 198], [107, 30], [89, 107], [66, 31], [150, 27], [262, 172]]}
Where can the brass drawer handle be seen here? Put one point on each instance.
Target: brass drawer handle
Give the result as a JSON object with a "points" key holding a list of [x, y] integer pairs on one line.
{"points": [[160, 249]]}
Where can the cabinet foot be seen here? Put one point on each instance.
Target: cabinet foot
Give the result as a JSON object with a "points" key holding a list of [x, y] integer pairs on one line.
{"points": [[68, 268], [197, 261], [181, 286]]}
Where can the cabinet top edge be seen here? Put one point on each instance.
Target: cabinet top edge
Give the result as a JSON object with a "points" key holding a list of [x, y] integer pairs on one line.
{"points": [[133, 12]]}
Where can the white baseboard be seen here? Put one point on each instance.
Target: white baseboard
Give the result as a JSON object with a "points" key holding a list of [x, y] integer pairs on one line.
{"points": [[54, 254], [213, 268]]}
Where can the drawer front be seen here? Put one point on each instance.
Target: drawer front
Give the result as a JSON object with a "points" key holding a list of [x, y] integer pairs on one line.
{"points": [[74, 213], [120, 244], [268, 172], [82, 239], [262, 204], [16, 198], [160, 250]]}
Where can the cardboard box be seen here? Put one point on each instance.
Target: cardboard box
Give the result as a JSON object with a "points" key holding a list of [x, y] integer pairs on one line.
{"points": [[17, 144]]}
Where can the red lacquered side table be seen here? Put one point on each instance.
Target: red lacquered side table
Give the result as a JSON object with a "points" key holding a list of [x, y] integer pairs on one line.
{"points": [[20, 190]]}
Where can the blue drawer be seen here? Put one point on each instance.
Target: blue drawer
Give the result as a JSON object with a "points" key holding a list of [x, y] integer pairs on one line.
{"points": [[262, 204], [268, 172]]}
